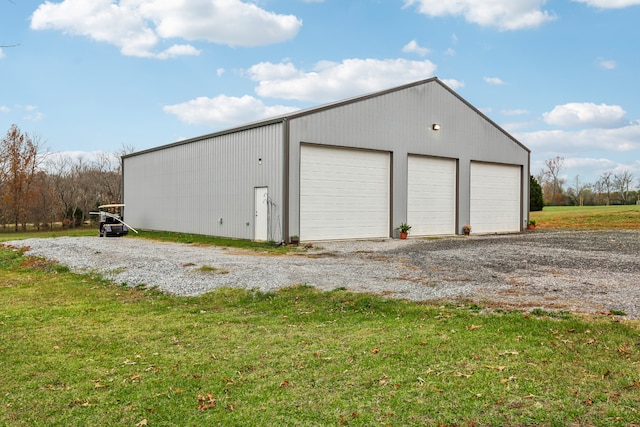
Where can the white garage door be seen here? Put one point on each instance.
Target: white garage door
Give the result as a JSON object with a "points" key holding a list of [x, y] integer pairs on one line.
{"points": [[495, 198], [344, 193], [431, 196]]}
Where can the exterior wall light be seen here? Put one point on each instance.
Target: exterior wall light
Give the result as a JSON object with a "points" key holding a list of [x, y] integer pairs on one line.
{"points": [[435, 126]]}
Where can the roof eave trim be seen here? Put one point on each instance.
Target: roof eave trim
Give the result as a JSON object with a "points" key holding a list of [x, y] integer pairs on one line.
{"points": [[253, 125]]}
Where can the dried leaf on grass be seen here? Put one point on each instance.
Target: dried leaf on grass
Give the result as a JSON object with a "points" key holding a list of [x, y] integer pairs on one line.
{"points": [[206, 402]]}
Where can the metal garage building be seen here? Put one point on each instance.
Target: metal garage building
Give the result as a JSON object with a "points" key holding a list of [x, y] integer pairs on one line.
{"points": [[357, 168]]}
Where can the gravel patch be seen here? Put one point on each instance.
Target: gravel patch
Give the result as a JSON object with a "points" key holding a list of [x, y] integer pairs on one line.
{"points": [[579, 271]]}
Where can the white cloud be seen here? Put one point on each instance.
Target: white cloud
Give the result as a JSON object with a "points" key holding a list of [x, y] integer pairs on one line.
{"points": [[590, 163], [32, 113], [1, 53], [137, 27], [586, 114], [589, 169], [609, 4], [501, 14], [230, 22], [414, 47], [588, 152], [495, 81], [330, 81], [270, 71], [624, 139], [4, 109], [224, 111], [178, 50], [450, 52], [453, 83], [607, 64]]}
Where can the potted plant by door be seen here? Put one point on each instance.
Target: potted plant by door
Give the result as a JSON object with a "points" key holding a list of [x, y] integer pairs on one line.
{"points": [[466, 229], [532, 224], [404, 230], [295, 240]]}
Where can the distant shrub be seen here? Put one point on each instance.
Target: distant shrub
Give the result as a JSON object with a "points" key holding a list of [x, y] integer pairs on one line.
{"points": [[536, 202]]}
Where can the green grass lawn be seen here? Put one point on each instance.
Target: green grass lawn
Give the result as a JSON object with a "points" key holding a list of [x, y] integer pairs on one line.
{"points": [[166, 236], [77, 351], [626, 217]]}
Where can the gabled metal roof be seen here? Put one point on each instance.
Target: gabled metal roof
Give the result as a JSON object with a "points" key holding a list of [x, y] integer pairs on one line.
{"points": [[312, 110]]}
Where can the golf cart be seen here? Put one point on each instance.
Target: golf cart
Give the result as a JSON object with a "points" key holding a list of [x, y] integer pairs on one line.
{"points": [[111, 221]]}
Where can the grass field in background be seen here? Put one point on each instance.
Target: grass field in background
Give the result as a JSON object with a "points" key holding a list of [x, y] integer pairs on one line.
{"points": [[624, 217], [77, 350]]}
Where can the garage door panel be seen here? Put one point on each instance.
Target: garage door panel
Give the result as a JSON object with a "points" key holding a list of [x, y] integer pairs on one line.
{"points": [[495, 197], [344, 193], [431, 195]]}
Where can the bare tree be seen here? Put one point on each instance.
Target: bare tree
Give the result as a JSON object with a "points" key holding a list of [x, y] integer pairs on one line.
{"points": [[40, 188], [579, 191], [622, 182], [80, 185], [43, 213], [107, 175], [552, 177], [62, 184], [20, 159], [604, 185]]}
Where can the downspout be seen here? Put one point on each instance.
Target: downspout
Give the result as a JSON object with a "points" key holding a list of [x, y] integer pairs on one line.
{"points": [[122, 182], [286, 168], [527, 202]]}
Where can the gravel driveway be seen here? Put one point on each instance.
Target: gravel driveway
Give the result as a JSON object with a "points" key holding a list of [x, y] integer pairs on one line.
{"points": [[580, 271]]}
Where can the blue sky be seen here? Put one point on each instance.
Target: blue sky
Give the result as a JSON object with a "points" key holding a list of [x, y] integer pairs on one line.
{"points": [[94, 75]]}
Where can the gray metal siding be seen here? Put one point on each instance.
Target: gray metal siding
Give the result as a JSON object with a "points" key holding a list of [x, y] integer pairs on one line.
{"points": [[190, 187], [400, 122]]}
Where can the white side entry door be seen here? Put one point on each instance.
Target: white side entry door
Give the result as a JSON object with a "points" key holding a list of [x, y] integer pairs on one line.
{"points": [[261, 220]]}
